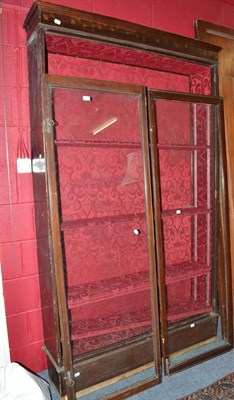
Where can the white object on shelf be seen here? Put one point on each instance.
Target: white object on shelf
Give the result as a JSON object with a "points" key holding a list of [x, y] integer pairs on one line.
{"points": [[38, 164], [136, 231], [87, 98], [57, 21]]}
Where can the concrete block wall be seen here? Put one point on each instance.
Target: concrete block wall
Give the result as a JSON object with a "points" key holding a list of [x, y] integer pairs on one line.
{"points": [[17, 234]]}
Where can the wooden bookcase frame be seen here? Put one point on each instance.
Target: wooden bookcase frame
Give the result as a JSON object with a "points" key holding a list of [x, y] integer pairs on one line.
{"points": [[49, 19]]}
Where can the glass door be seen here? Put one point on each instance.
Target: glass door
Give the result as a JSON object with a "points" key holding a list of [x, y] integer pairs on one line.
{"points": [[186, 147], [99, 148]]}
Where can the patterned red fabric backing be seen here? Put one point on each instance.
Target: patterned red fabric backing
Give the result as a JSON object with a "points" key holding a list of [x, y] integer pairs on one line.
{"points": [[102, 192]]}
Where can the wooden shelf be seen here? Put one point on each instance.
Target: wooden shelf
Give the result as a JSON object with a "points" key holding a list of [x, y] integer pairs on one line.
{"points": [[87, 344], [185, 270], [92, 292], [185, 211], [187, 309], [117, 286], [92, 334], [116, 322], [73, 224], [95, 143], [170, 146]]}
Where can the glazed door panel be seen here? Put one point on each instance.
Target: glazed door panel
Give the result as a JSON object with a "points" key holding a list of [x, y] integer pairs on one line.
{"points": [[185, 142], [106, 230]]}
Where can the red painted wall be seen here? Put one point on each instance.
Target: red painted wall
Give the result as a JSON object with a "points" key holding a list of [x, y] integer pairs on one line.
{"points": [[17, 240]]}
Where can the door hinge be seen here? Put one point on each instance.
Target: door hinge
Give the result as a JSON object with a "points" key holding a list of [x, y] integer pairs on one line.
{"points": [[167, 366], [38, 164], [70, 381], [48, 123]]}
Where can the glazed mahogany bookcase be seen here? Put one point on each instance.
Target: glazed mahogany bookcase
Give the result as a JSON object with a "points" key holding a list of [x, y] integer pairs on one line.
{"points": [[130, 196]]}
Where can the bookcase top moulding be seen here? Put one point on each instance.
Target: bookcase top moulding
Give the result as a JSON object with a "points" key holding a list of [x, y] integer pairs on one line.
{"points": [[61, 20]]}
